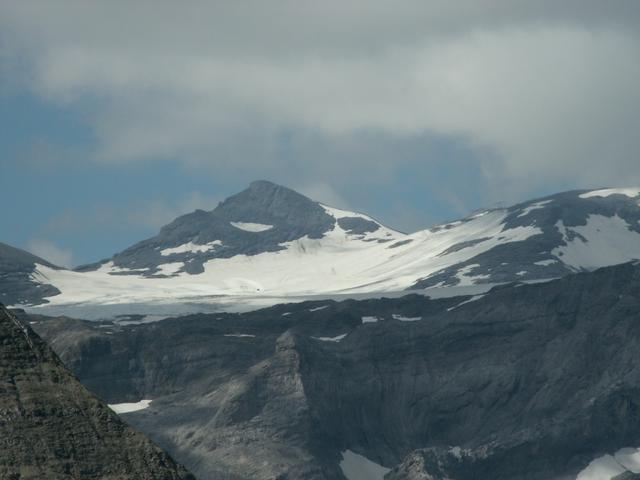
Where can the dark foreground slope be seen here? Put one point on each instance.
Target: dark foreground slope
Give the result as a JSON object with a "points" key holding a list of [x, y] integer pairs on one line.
{"points": [[529, 382], [51, 427]]}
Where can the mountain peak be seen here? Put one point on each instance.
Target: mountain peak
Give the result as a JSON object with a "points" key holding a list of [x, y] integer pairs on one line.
{"points": [[264, 184], [263, 201], [262, 218]]}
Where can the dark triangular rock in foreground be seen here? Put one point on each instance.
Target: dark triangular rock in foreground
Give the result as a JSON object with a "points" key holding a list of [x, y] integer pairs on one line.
{"points": [[51, 427]]}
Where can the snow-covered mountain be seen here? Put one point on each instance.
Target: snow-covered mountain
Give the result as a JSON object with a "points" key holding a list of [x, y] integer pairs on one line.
{"points": [[271, 242]]}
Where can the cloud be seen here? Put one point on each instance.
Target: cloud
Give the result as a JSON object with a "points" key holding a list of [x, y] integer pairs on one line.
{"points": [[48, 251], [549, 90], [323, 193], [150, 215]]}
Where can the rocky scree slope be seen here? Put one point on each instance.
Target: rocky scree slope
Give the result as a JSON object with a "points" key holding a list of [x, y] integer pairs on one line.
{"points": [[51, 427], [526, 382]]}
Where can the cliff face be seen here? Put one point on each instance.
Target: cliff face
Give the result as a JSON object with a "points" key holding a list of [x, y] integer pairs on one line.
{"points": [[52, 427]]}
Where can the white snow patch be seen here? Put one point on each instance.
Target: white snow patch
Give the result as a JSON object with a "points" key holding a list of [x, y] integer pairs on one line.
{"points": [[382, 233], [169, 268], [545, 263], [144, 319], [316, 309], [239, 335], [472, 299], [369, 319], [602, 468], [405, 319], [337, 213], [252, 227], [605, 192], [610, 466], [456, 452], [629, 458], [534, 206], [608, 242], [331, 339], [456, 291], [466, 279], [130, 407], [357, 467], [190, 247], [521, 272], [110, 268]]}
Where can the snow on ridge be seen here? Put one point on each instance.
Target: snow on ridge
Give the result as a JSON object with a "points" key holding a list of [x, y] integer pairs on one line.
{"points": [[605, 192], [316, 309], [472, 299], [130, 407], [402, 318], [546, 263], [110, 267], [143, 320], [629, 458], [190, 247], [171, 268], [338, 213], [381, 233], [252, 227], [465, 279], [331, 339], [358, 467], [369, 319], [608, 467], [608, 242], [534, 206]]}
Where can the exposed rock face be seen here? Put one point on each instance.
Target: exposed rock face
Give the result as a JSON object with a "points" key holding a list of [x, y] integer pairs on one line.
{"points": [[51, 427], [16, 285], [528, 382]]}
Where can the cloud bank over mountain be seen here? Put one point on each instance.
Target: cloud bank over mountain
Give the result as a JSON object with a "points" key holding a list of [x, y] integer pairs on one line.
{"points": [[548, 88], [478, 102]]}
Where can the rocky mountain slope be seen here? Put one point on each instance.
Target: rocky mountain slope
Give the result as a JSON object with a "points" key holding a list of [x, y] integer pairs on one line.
{"points": [[51, 427], [272, 243], [530, 382], [16, 277]]}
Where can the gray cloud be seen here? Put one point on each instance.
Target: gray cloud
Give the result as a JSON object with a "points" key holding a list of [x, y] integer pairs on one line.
{"points": [[45, 249], [152, 214], [549, 88]]}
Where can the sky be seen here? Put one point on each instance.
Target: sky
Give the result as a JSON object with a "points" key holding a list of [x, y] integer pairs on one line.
{"points": [[116, 117]]}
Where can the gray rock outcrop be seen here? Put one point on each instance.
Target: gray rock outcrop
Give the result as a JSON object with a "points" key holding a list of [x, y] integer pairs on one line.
{"points": [[52, 428]]}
